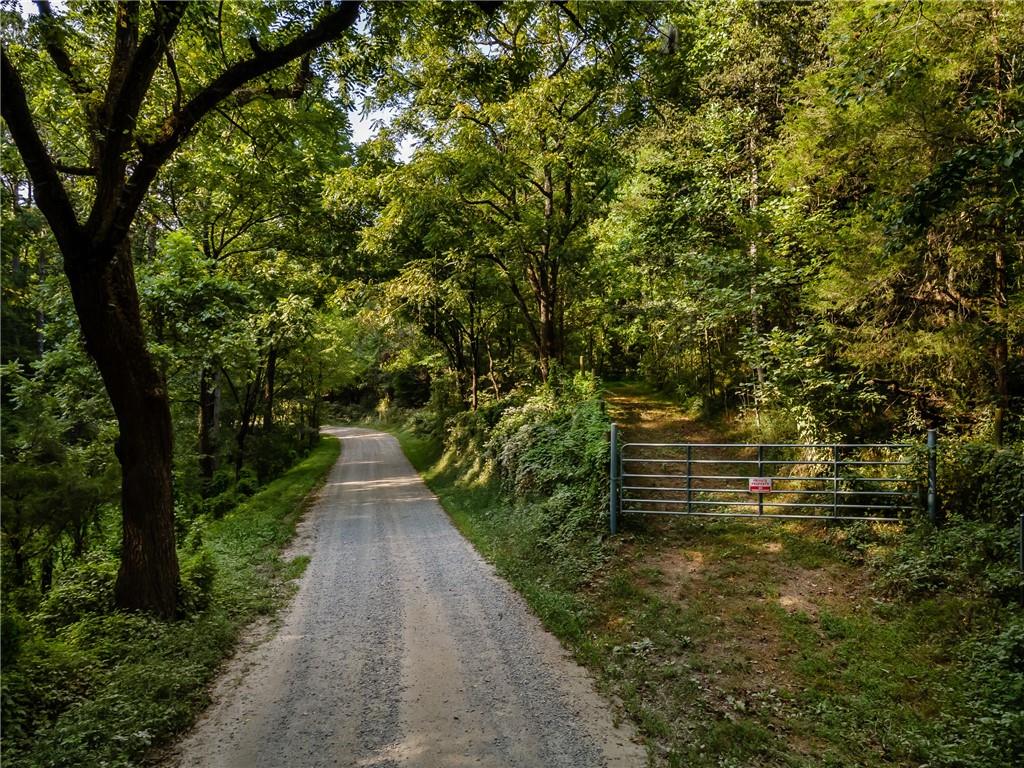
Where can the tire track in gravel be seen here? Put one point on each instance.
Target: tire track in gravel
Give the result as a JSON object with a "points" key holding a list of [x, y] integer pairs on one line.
{"points": [[401, 648]]}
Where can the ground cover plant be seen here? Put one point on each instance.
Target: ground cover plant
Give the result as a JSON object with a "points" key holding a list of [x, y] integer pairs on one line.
{"points": [[86, 684]]}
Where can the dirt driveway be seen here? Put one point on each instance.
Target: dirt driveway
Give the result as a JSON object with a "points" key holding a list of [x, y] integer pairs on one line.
{"points": [[401, 648]]}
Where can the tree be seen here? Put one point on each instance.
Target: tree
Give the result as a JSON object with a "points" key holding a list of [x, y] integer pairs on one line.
{"points": [[519, 128], [129, 126], [246, 191], [908, 150], [692, 223]]}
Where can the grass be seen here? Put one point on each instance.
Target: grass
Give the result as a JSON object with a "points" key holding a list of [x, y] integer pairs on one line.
{"points": [[792, 658], [107, 688], [748, 644]]}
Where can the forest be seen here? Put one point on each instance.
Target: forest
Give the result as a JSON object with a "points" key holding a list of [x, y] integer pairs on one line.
{"points": [[799, 220]]}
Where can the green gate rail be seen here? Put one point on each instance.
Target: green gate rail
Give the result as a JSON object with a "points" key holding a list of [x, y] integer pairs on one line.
{"points": [[802, 481]]}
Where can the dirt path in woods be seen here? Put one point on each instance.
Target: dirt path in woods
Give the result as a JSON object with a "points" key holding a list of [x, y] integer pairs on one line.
{"points": [[401, 648]]}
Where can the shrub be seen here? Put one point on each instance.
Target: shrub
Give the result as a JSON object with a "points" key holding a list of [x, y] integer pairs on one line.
{"points": [[967, 557], [426, 423], [49, 677], [469, 432], [409, 387], [548, 442], [271, 453], [13, 630], [247, 484], [987, 482], [551, 455], [975, 551], [86, 589], [196, 583], [445, 398], [990, 730], [221, 504], [221, 481]]}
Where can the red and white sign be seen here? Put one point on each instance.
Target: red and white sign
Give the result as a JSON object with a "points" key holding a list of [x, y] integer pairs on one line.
{"points": [[759, 484]]}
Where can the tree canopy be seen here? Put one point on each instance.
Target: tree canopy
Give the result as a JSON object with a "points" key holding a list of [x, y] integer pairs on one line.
{"points": [[806, 214]]}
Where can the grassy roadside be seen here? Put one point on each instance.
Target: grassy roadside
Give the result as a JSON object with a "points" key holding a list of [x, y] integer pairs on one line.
{"points": [[106, 688], [743, 644]]}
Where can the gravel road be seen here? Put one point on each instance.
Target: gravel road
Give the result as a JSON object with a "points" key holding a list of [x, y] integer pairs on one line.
{"points": [[401, 648]]}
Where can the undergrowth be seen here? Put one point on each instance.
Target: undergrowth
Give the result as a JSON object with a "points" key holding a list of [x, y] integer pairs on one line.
{"points": [[917, 658], [85, 685]]}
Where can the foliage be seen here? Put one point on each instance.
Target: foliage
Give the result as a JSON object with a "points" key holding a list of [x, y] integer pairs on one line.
{"points": [[554, 437], [198, 573], [975, 551], [543, 452], [86, 590], [694, 223], [985, 483], [930, 677], [968, 558], [995, 693], [85, 684], [914, 283], [804, 214], [518, 123]]}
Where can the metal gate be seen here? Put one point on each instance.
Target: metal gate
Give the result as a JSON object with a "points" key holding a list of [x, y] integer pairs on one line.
{"points": [[802, 481]]}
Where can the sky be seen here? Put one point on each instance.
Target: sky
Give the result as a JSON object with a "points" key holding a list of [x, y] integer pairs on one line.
{"points": [[363, 129]]}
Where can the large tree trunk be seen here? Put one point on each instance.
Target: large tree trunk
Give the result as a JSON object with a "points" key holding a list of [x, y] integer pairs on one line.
{"points": [[104, 293], [108, 307]]}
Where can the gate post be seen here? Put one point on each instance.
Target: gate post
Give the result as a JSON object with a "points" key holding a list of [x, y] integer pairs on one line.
{"points": [[613, 523], [933, 492]]}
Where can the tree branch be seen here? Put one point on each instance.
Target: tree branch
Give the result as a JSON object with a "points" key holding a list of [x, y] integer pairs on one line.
{"points": [[52, 39], [531, 324], [563, 6], [131, 72], [220, 32], [498, 144], [74, 170], [169, 56], [50, 193], [293, 91], [586, 105], [508, 198], [126, 40], [534, 183], [241, 128], [178, 127], [490, 204]]}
